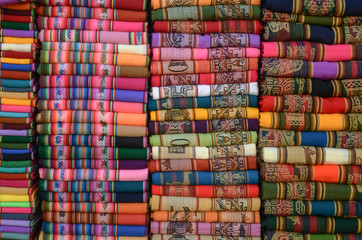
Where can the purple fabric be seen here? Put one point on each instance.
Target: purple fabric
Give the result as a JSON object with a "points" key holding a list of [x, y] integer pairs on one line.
{"points": [[5, 2], [23, 133], [19, 223], [325, 70], [12, 229], [17, 33]]}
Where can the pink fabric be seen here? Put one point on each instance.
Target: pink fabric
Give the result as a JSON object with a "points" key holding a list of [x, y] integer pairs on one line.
{"points": [[16, 108]]}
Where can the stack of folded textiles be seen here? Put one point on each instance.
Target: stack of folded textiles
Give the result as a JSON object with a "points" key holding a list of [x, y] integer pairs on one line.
{"points": [[92, 121], [311, 119], [20, 216], [203, 120]]}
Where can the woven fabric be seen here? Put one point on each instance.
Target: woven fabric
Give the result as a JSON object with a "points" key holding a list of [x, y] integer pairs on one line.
{"points": [[155, 4], [94, 197], [93, 164], [139, 5], [51, 236], [200, 237], [270, 235]]}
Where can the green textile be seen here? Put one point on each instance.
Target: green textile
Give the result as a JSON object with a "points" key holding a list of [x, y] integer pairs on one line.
{"points": [[14, 145], [14, 164], [16, 139]]}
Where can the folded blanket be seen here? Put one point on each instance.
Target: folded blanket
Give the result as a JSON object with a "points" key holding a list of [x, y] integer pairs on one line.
{"points": [[199, 237], [311, 121], [310, 104], [59, 23], [313, 224], [248, 150], [315, 87], [94, 105], [269, 235], [278, 207], [93, 174], [219, 229], [204, 114], [204, 66], [328, 21], [92, 186], [204, 79], [52, 236], [203, 53], [204, 139], [155, 4], [211, 40], [78, 116], [120, 59], [93, 12], [183, 91], [310, 191], [137, 5], [282, 67], [168, 203], [28, 48], [17, 54], [17, 26], [94, 197], [78, 152], [69, 35], [202, 27], [94, 218], [19, 75], [92, 141], [313, 8], [228, 178], [224, 101], [92, 129], [204, 13], [6, 2], [93, 164], [331, 139], [217, 125], [220, 164], [319, 173], [286, 31]]}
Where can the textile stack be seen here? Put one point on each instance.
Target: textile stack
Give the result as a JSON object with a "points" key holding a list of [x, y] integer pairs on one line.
{"points": [[92, 121], [20, 216], [203, 120], [311, 119]]}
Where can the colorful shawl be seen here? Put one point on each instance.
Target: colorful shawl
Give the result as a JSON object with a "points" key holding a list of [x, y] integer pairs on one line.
{"points": [[204, 79], [92, 70], [203, 53], [211, 191], [319, 173], [92, 129], [51, 236], [75, 116], [94, 105], [247, 150], [136, 5], [195, 237], [311, 121], [202, 27], [268, 15], [92, 141], [280, 207], [285, 138], [313, 224], [141, 49], [183, 216], [205, 13], [218, 125], [223, 229], [204, 139], [211, 40], [93, 164], [169, 203], [270, 235], [61, 23], [95, 13], [94, 218], [228, 178], [156, 4], [78, 152], [228, 101], [310, 191], [321, 88], [286, 31], [95, 229], [92, 186], [312, 155], [221, 164], [69, 35], [282, 67], [315, 8], [94, 197], [93, 174], [133, 60], [204, 114], [183, 91], [6, 2], [310, 104], [203, 66]]}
